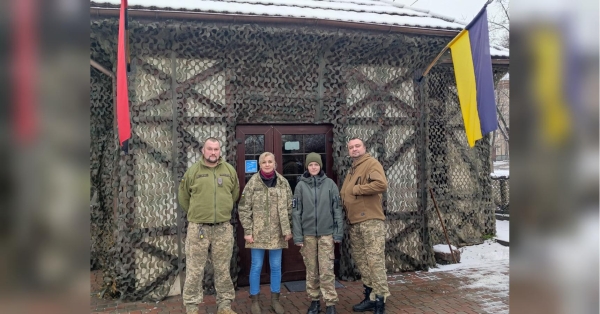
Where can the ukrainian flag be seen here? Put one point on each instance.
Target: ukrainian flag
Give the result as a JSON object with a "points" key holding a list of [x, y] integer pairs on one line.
{"points": [[474, 81]]}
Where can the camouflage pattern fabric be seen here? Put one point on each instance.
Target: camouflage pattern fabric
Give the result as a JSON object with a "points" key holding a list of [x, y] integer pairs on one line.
{"points": [[318, 256], [367, 240], [199, 238], [265, 213]]}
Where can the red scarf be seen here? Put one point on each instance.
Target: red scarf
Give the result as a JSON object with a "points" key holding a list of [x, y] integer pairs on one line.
{"points": [[267, 176]]}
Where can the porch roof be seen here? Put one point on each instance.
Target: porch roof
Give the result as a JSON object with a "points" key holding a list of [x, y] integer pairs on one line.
{"points": [[359, 11], [368, 14]]}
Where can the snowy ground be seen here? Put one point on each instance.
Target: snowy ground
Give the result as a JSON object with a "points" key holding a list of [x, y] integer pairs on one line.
{"points": [[501, 169], [483, 254], [484, 266], [502, 228], [489, 252]]}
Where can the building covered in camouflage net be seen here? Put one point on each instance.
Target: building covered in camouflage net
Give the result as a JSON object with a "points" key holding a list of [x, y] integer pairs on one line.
{"points": [[290, 78]]}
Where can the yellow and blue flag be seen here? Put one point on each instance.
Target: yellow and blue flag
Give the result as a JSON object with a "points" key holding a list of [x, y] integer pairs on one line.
{"points": [[474, 80], [552, 75]]}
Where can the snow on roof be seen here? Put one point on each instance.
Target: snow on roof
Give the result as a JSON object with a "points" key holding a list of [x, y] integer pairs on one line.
{"points": [[359, 11], [498, 51], [378, 12]]}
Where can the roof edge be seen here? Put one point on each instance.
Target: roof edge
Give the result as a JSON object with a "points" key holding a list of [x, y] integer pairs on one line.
{"points": [[238, 18], [97, 12]]}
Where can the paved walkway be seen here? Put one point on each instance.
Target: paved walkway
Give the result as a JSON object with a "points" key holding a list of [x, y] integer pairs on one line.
{"points": [[473, 290]]}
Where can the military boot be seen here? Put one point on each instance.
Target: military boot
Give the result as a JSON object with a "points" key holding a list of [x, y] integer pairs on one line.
{"points": [[315, 307], [379, 305], [366, 304], [330, 310], [226, 310], [275, 305], [255, 308]]}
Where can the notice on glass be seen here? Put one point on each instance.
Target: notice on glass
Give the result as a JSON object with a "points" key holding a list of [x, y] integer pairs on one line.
{"points": [[251, 166]]}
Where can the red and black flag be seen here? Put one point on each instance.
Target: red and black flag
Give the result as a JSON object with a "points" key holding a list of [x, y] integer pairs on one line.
{"points": [[123, 122]]}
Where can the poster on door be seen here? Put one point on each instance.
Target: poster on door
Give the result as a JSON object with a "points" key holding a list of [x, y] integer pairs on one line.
{"points": [[251, 166]]}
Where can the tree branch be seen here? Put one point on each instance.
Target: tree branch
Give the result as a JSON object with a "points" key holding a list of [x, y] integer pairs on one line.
{"points": [[505, 9], [500, 25]]}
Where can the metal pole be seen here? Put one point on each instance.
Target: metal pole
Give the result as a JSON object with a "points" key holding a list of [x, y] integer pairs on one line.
{"points": [[444, 227]]}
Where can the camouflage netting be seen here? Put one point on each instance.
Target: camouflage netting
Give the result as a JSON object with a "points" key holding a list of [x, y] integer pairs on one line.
{"points": [[458, 175], [362, 83], [102, 158], [500, 192]]}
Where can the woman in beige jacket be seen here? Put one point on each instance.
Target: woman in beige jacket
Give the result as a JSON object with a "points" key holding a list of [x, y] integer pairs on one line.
{"points": [[265, 208]]}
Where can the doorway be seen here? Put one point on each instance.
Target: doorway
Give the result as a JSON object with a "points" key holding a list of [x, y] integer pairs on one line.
{"points": [[290, 144]]}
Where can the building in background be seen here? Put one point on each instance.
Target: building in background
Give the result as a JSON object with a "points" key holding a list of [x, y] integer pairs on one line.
{"points": [[501, 136]]}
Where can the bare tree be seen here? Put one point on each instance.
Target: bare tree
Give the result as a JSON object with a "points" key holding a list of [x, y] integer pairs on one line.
{"points": [[499, 23]]}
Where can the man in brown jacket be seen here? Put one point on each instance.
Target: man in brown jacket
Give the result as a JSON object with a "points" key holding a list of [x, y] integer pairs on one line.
{"points": [[361, 196]]}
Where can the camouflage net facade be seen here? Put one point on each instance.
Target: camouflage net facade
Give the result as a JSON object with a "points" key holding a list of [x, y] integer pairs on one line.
{"points": [[500, 192], [191, 80], [102, 162]]}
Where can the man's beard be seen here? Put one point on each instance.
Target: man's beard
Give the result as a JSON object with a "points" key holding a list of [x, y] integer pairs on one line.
{"points": [[212, 159]]}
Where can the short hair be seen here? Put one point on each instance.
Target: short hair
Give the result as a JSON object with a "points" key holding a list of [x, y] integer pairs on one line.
{"points": [[212, 139], [265, 154], [356, 138]]}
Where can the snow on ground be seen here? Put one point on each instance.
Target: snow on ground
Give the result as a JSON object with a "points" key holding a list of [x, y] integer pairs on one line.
{"points": [[443, 248], [502, 230], [501, 169], [485, 268], [503, 164], [500, 173], [482, 255], [485, 254], [485, 282]]}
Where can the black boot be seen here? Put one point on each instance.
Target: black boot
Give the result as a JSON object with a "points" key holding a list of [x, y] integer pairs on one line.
{"points": [[315, 307], [366, 304], [379, 305], [330, 310]]}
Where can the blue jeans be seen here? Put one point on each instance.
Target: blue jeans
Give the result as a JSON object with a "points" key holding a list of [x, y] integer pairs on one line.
{"points": [[256, 267]]}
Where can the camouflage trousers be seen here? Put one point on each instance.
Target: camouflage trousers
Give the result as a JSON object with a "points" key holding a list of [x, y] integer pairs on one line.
{"points": [[367, 240], [199, 238], [318, 256]]}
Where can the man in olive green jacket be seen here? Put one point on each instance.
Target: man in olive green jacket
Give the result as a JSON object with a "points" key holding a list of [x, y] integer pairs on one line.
{"points": [[207, 192]]}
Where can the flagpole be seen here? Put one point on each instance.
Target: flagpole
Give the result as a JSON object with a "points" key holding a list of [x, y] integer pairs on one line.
{"points": [[433, 62], [448, 45]]}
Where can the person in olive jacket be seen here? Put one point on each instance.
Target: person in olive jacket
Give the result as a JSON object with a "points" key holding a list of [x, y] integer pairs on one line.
{"points": [[207, 192], [317, 223], [264, 211]]}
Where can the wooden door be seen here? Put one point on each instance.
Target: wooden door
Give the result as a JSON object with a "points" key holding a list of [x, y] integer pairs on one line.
{"points": [[290, 144]]}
